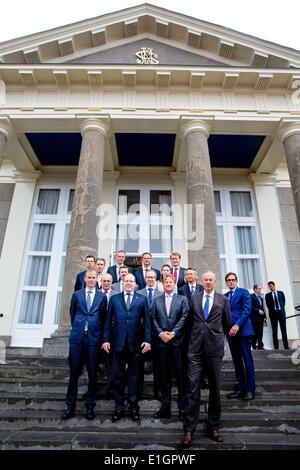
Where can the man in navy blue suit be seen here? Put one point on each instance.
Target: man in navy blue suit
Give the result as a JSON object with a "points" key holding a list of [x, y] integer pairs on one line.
{"points": [[257, 317], [191, 285], [177, 271], [87, 311], [140, 274], [127, 332], [114, 270], [239, 339], [80, 278], [275, 300]]}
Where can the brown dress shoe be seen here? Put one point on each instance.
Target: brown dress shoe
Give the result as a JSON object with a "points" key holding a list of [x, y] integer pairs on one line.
{"points": [[215, 435], [187, 439]]}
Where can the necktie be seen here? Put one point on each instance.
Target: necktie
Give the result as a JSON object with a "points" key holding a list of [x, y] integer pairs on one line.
{"points": [[206, 307], [106, 291], [150, 296], [128, 300], [88, 300], [192, 290], [168, 304], [175, 274], [259, 300], [230, 294], [277, 307]]}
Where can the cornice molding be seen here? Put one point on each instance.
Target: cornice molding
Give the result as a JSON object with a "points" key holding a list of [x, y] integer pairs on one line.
{"points": [[27, 176], [259, 179], [289, 129]]}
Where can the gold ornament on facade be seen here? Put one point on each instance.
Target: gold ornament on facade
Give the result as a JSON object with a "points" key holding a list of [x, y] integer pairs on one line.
{"points": [[147, 56]]}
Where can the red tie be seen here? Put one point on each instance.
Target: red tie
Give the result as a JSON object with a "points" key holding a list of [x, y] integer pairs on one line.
{"points": [[175, 274], [106, 291]]}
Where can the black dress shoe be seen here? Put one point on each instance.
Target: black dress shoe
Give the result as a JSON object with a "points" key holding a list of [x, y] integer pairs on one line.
{"points": [[68, 413], [90, 413], [187, 439], [118, 414], [248, 396], [134, 415], [236, 394], [214, 435], [162, 414]]}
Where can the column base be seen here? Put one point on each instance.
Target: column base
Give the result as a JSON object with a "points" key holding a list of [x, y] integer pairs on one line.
{"points": [[58, 344]]}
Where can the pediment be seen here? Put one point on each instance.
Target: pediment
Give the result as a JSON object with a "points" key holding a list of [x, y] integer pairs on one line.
{"points": [[95, 38], [166, 55]]}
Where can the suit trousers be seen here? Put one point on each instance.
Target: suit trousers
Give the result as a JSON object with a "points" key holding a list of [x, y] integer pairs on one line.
{"points": [[275, 317], [120, 359], [258, 326], [240, 347], [170, 358], [79, 355], [198, 365]]}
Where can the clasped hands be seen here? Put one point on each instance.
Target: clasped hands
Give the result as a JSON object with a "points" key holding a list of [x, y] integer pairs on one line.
{"points": [[146, 347], [166, 336]]}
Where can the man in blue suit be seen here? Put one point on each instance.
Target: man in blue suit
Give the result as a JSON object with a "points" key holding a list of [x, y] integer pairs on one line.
{"points": [[239, 339], [87, 311], [80, 278], [114, 270], [191, 286], [275, 301], [140, 274], [257, 318], [127, 332]]}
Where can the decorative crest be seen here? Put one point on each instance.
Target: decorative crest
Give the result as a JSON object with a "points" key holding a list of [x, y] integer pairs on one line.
{"points": [[147, 56]]}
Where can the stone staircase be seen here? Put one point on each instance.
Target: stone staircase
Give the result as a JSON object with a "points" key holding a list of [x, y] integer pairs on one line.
{"points": [[32, 397]]}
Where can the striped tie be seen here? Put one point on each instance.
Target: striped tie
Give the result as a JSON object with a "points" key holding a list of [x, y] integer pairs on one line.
{"points": [[88, 300]]}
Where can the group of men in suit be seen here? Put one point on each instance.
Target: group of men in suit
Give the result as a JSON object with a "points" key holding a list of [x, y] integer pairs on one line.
{"points": [[185, 332]]}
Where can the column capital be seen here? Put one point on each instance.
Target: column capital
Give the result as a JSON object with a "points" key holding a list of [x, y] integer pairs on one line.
{"points": [[195, 125], [289, 129], [5, 128], [94, 124], [26, 176], [263, 179]]}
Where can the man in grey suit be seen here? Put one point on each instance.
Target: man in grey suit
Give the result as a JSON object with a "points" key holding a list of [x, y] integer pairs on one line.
{"points": [[169, 313], [211, 320]]}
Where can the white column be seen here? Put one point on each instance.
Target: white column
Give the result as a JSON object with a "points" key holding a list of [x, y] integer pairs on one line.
{"points": [[12, 256], [276, 263]]}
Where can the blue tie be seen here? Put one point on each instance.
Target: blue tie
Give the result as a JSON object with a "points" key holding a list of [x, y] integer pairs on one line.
{"points": [[88, 300], [128, 300], [192, 290], [230, 294], [150, 296], [206, 307], [277, 307]]}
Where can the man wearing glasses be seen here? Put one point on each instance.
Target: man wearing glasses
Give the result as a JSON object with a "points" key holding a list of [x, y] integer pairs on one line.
{"points": [[239, 339]]}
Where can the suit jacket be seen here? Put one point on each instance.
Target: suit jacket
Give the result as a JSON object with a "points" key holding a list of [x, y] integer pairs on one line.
{"points": [[179, 311], [133, 324], [256, 306], [185, 290], [156, 293], [270, 302], [113, 271], [80, 315], [207, 336], [111, 294], [139, 276], [79, 283], [240, 307], [180, 278]]}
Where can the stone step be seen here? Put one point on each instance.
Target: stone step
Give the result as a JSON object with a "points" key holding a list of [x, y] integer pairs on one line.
{"points": [[59, 385], [140, 439], [267, 403], [247, 422]]}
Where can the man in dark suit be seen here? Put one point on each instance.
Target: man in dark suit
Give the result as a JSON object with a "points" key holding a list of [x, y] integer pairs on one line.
{"points": [[239, 339], [151, 292], [127, 331], [275, 300], [87, 311], [80, 278], [99, 266], [140, 274], [191, 286], [115, 269], [169, 313], [177, 271], [211, 320], [257, 318]]}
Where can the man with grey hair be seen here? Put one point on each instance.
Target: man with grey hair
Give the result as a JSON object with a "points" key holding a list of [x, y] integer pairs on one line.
{"points": [[211, 320]]}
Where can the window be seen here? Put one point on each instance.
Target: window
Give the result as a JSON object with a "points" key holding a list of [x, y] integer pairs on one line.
{"points": [[238, 236], [45, 264], [145, 223]]}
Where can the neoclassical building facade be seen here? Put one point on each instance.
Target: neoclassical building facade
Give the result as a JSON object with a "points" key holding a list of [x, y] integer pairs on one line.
{"points": [[144, 130]]}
